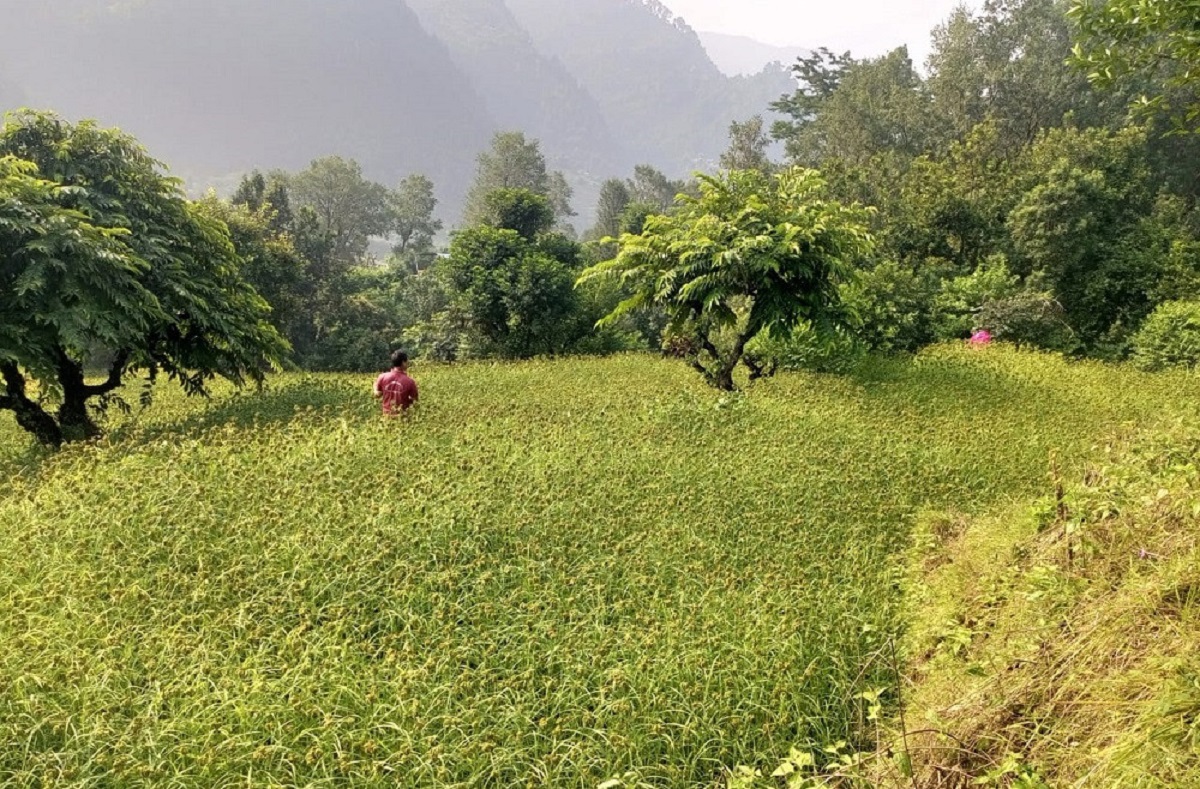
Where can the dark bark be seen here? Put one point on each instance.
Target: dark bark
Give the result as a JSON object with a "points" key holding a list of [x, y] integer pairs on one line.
{"points": [[30, 416], [73, 415]]}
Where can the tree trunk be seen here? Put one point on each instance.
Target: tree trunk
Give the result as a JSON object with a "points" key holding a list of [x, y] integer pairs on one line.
{"points": [[30, 416], [722, 376], [73, 414]]}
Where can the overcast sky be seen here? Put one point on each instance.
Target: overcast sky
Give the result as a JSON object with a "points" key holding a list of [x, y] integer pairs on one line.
{"points": [[865, 27]]}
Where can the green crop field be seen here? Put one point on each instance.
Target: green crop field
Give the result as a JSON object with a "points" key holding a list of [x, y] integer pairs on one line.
{"points": [[556, 574]]}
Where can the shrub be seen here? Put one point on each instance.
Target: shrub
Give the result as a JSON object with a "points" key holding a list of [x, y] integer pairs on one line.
{"points": [[1170, 337]]}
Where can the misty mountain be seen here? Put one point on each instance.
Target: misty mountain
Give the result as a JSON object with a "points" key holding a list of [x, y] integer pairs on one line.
{"points": [[522, 88], [218, 87], [742, 56], [651, 75]]}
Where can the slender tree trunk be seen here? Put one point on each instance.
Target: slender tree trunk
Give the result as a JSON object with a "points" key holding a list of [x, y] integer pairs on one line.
{"points": [[30, 416]]}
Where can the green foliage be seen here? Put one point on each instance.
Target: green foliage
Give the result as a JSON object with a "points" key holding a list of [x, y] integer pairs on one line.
{"points": [[855, 109], [514, 291], [753, 253], [527, 213], [958, 302], [893, 305], [348, 208], [1152, 39], [748, 143], [412, 222], [514, 162], [1170, 337], [105, 254]]}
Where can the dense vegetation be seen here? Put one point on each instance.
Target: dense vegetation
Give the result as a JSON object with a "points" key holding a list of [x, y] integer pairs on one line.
{"points": [[557, 572]]}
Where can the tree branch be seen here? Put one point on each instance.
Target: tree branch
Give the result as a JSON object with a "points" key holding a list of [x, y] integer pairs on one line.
{"points": [[115, 373]]}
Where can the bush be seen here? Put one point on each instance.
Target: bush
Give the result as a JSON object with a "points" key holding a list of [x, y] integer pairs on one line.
{"points": [[1170, 337], [894, 306], [806, 349]]}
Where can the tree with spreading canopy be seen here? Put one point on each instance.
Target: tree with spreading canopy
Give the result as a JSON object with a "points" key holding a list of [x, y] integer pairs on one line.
{"points": [[752, 254], [101, 257]]}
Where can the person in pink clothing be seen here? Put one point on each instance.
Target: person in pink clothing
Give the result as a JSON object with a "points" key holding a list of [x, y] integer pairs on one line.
{"points": [[394, 388]]}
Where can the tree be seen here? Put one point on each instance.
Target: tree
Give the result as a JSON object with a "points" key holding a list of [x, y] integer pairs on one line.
{"points": [[412, 222], [614, 199], [650, 187], [512, 162], [518, 296], [525, 212], [753, 254], [1156, 40], [348, 208], [101, 256], [874, 106], [748, 143]]}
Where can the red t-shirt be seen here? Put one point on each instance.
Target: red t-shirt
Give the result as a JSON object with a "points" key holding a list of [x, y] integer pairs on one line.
{"points": [[397, 390]]}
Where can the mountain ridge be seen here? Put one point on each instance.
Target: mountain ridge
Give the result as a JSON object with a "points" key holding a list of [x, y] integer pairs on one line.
{"points": [[217, 87]]}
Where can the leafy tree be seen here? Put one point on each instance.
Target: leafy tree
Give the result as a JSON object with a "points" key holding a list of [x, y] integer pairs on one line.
{"points": [[1007, 65], [412, 222], [877, 105], [348, 208], [614, 198], [266, 197], [559, 194], [650, 187], [1086, 195], [512, 162], [517, 296], [753, 253], [520, 210], [1155, 40], [893, 305], [270, 262], [818, 75], [748, 143], [99, 252]]}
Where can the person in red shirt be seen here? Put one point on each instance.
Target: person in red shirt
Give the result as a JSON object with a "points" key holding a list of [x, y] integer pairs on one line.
{"points": [[397, 391]]}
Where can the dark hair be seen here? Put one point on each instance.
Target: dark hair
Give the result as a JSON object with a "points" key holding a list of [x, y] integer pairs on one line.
{"points": [[399, 359]]}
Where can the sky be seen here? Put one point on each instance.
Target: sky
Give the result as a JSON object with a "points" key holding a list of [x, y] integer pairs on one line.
{"points": [[865, 27]]}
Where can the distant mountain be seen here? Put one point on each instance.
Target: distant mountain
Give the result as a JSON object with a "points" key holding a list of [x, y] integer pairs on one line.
{"points": [[650, 74], [522, 88], [741, 56], [218, 87]]}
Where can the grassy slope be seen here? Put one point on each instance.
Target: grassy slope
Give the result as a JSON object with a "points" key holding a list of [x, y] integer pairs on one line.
{"points": [[557, 573], [1060, 646]]}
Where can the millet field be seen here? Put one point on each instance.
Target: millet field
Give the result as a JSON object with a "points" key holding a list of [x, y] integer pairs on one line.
{"points": [[569, 574]]}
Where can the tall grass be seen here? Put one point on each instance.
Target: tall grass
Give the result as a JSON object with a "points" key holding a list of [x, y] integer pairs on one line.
{"points": [[557, 573]]}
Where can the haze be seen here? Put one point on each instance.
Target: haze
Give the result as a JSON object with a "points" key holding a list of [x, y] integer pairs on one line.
{"points": [[865, 27]]}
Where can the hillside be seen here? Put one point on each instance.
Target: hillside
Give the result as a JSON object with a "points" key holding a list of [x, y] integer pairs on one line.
{"points": [[522, 88], [526, 579], [217, 87], [662, 93]]}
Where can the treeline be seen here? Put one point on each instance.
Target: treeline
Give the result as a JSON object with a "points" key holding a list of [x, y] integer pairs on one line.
{"points": [[503, 287], [1009, 193]]}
